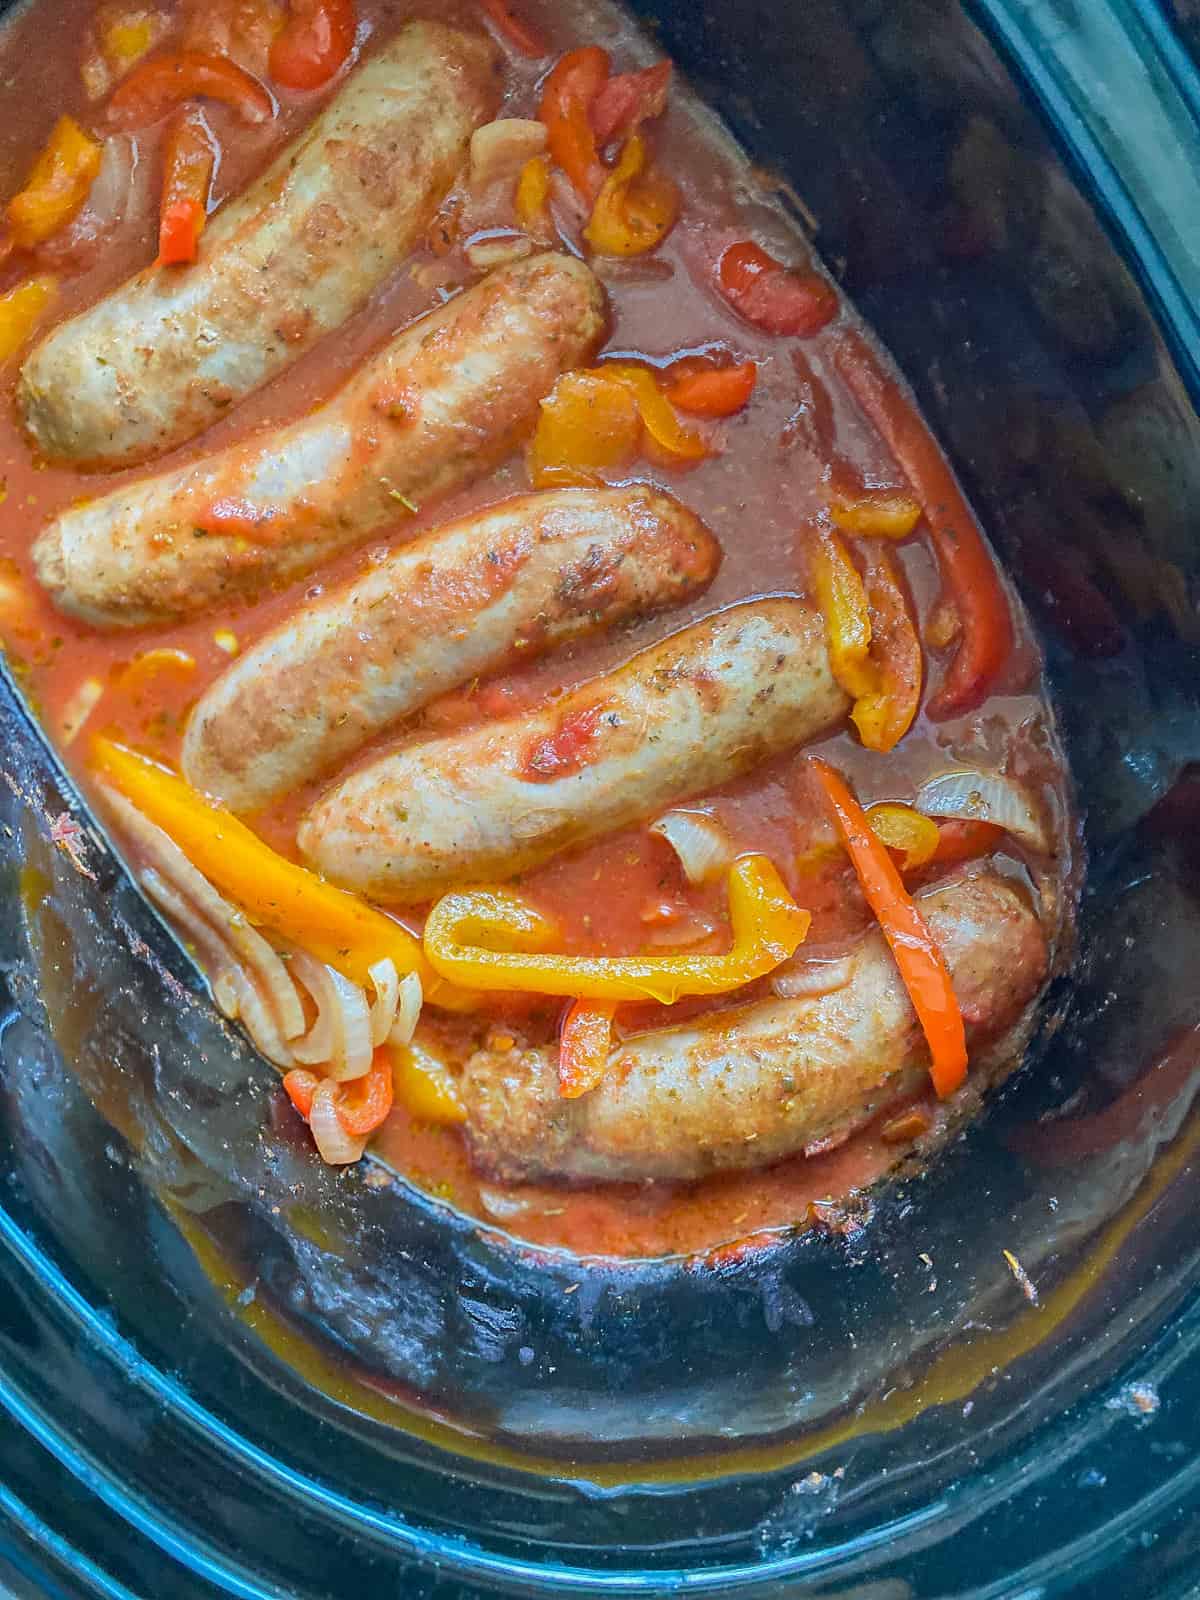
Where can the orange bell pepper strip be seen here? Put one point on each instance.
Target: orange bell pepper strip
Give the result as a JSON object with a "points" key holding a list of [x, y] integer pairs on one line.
{"points": [[914, 835], [589, 421], [21, 309], [567, 99], [584, 1044], [522, 35], [774, 297], [703, 390], [57, 187], [533, 194], [333, 925], [492, 939], [877, 514], [629, 99], [189, 157], [970, 579], [841, 596], [313, 43], [164, 82], [920, 962], [657, 412], [636, 208], [885, 713]]}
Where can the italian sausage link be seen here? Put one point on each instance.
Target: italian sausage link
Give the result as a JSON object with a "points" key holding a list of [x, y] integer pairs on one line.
{"points": [[166, 354], [438, 405], [747, 1087], [682, 717], [513, 581]]}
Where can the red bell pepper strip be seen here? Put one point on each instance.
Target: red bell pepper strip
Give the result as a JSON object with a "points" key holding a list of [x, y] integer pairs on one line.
{"points": [[703, 390], [970, 579], [584, 1044], [567, 100], [313, 43], [773, 297], [361, 1104], [523, 37], [164, 82], [920, 962], [190, 155], [965, 839], [628, 100]]}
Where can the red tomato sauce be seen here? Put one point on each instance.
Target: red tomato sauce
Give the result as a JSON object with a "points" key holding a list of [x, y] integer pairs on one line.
{"points": [[769, 473]]}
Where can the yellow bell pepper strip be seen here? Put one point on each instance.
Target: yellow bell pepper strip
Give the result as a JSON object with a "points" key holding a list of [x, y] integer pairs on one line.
{"points": [[426, 1088], [21, 309], [57, 187], [920, 962], [842, 598], [584, 1044], [333, 925], [885, 713], [508, 952], [533, 194], [877, 514], [637, 205], [659, 417], [589, 421], [901, 828]]}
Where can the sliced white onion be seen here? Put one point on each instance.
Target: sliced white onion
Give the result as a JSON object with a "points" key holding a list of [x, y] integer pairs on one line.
{"points": [[701, 843], [408, 1010], [225, 994], [387, 992], [340, 1039], [498, 251], [263, 966], [259, 1022], [79, 708], [806, 977], [333, 1143], [985, 797], [500, 149], [504, 1206]]}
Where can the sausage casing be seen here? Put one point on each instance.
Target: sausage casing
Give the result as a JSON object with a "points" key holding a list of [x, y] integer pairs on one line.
{"points": [[746, 1087], [510, 582], [683, 716], [168, 352], [440, 404]]}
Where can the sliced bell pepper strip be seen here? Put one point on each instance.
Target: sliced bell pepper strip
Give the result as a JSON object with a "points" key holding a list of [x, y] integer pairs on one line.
{"points": [[703, 390], [908, 831], [589, 421], [313, 43], [584, 1043], [533, 193], [842, 598], [637, 205], [189, 157], [969, 575], [629, 99], [966, 839], [920, 962], [657, 412], [361, 1105], [166, 81], [877, 513], [57, 187], [333, 925], [567, 99], [522, 35], [774, 297], [492, 939], [426, 1088], [21, 309], [885, 713]]}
